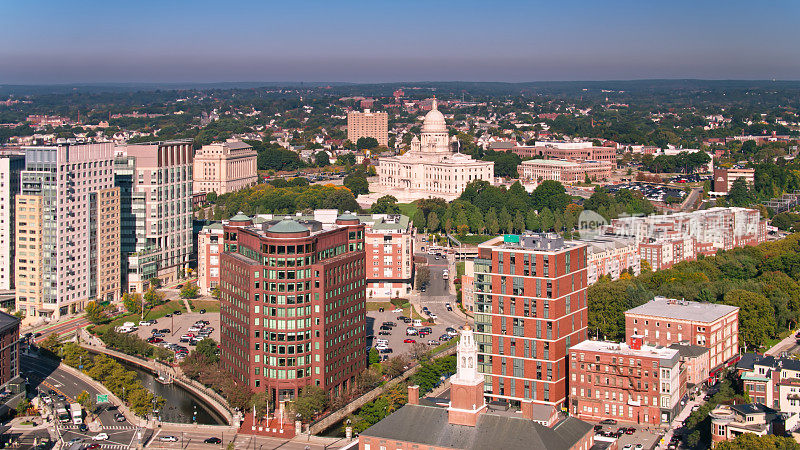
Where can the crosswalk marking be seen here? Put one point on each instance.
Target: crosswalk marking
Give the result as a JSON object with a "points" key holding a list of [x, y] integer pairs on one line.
{"points": [[117, 427]]}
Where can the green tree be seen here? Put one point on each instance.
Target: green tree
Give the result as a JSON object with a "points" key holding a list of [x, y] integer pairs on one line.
{"points": [[216, 293], [346, 159], [155, 283], [374, 356], [357, 184], [51, 343], [260, 400], [532, 221], [312, 400], [519, 222], [190, 290], [492, 223], [95, 312], [750, 441], [132, 302], [756, 316], [364, 143], [433, 221], [548, 219], [22, 407], [419, 219], [208, 348], [460, 222], [321, 159], [739, 194], [85, 400], [385, 205]]}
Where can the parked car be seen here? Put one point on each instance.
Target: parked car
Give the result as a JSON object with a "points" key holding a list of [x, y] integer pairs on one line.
{"points": [[94, 446], [598, 428], [168, 438], [165, 330], [445, 337], [119, 417], [411, 331], [433, 316], [397, 310], [158, 335], [154, 340], [384, 333], [100, 437], [203, 311], [177, 313], [432, 342], [409, 341], [608, 422]]}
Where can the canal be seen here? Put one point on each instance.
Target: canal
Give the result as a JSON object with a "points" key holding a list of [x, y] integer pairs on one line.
{"points": [[180, 405]]}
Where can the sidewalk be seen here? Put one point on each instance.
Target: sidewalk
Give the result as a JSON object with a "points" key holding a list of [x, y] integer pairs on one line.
{"points": [[782, 346]]}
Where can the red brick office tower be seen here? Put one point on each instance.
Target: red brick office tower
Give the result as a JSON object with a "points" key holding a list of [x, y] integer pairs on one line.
{"points": [[293, 310]]}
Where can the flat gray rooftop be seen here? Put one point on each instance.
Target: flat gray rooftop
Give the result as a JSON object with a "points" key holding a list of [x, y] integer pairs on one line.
{"points": [[669, 308]]}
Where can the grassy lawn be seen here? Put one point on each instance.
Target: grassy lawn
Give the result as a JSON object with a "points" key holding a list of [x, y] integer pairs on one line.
{"points": [[154, 313], [407, 209], [209, 305], [473, 239]]}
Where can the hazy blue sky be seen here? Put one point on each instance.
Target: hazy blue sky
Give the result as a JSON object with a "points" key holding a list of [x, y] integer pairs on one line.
{"points": [[56, 41]]}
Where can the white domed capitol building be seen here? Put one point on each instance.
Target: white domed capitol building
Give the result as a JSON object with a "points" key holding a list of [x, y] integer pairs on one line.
{"points": [[430, 168]]}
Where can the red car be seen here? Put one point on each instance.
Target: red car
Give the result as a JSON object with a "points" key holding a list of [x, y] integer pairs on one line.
{"points": [[409, 341], [155, 340]]}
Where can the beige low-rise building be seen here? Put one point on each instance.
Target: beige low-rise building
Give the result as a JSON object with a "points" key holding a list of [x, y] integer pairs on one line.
{"points": [[563, 171], [224, 167]]}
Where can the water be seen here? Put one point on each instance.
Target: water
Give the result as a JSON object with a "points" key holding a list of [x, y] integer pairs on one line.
{"points": [[180, 405]]}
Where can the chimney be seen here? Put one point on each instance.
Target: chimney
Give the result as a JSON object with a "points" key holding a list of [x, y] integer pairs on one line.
{"points": [[413, 395], [636, 342]]}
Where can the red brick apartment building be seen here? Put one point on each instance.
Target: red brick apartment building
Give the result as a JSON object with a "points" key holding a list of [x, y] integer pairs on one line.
{"points": [[9, 348], [530, 308], [293, 304], [664, 321], [630, 383]]}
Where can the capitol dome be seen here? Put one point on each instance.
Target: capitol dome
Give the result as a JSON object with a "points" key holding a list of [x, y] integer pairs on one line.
{"points": [[434, 121]]}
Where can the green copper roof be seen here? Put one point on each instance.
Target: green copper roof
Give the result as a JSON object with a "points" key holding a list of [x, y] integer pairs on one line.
{"points": [[347, 216], [287, 226], [214, 226], [239, 217]]}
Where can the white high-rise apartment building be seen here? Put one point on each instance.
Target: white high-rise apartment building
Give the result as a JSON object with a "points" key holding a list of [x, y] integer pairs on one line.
{"points": [[10, 167], [155, 180], [67, 241]]}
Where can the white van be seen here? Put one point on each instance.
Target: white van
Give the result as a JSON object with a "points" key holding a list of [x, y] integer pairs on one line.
{"points": [[417, 323], [381, 341], [128, 324]]}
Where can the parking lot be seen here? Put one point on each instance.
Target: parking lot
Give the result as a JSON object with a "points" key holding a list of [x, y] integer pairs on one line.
{"points": [[398, 333], [647, 437], [179, 325]]}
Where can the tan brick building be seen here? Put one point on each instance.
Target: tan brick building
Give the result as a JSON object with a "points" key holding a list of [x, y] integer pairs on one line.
{"points": [[224, 167], [368, 124]]}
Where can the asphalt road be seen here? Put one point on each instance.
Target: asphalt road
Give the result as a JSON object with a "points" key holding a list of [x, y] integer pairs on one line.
{"points": [[64, 327], [438, 294], [44, 374]]}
